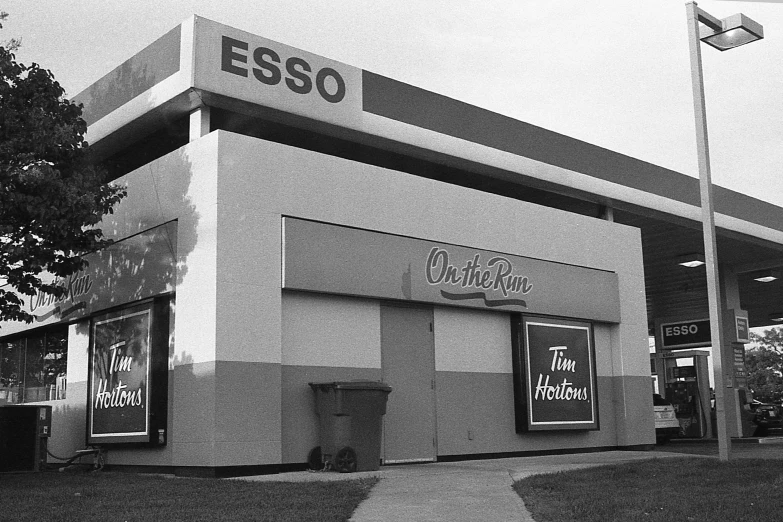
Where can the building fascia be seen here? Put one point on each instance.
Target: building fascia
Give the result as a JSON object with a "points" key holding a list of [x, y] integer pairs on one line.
{"points": [[237, 69]]}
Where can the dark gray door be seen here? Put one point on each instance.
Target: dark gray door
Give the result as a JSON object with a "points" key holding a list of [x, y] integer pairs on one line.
{"points": [[408, 362]]}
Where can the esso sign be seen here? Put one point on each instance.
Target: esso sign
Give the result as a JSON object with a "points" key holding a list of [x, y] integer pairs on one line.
{"points": [[268, 67], [685, 329], [686, 334]]}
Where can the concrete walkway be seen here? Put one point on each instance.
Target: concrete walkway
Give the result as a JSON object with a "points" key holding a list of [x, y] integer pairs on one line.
{"points": [[471, 490], [461, 491]]}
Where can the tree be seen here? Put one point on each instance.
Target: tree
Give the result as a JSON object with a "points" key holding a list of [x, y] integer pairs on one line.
{"points": [[51, 197], [12, 44], [764, 362]]}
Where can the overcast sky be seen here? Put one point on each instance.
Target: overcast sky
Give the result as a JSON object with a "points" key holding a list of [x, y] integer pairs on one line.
{"points": [[615, 73]]}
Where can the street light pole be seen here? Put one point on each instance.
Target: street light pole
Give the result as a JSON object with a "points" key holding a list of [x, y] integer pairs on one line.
{"points": [[696, 17], [708, 229]]}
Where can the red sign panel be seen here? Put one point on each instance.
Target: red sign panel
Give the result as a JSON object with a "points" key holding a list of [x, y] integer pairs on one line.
{"points": [[743, 329], [686, 334], [557, 374], [148, 256], [340, 260], [120, 378]]}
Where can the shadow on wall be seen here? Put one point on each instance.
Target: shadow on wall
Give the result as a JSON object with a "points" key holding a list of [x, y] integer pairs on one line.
{"points": [[69, 419], [145, 260], [136, 75], [122, 84], [155, 229], [180, 369], [192, 419]]}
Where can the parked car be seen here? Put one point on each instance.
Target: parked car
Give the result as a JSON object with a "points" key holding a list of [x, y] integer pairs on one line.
{"points": [[666, 423], [766, 417]]}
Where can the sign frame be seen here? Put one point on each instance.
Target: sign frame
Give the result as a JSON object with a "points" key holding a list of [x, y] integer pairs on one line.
{"points": [[114, 418], [533, 394], [150, 254], [244, 66], [335, 259], [685, 345], [741, 328]]}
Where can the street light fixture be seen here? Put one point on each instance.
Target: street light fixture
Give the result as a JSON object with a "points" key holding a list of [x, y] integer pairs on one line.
{"points": [[735, 30], [723, 34]]}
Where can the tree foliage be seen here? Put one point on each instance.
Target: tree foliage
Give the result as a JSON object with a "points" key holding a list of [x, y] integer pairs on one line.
{"points": [[51, 197], [12, 44], [764, 362]]}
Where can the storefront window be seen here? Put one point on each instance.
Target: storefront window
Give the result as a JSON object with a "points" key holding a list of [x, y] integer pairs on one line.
{"points": [[10, 365], [33, 367], [55, 364]]}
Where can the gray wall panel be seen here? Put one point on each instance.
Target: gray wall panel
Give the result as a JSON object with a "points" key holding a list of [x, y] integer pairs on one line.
{"points": [[226, 413], [476, 415]]}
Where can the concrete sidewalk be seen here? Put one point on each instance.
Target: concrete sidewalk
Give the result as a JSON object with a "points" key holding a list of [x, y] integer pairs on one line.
{"points": [[461, 491], [472, 490]]}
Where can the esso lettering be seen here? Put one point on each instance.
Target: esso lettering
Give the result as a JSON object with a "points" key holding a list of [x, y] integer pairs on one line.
{"points": [[269, 69], [685, 329]]}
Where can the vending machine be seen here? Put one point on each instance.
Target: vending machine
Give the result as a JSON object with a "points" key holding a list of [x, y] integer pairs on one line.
{"points": [[24, 432]]}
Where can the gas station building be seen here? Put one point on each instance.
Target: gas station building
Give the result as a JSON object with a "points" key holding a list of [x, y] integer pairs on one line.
{"points": [[292, 219]]}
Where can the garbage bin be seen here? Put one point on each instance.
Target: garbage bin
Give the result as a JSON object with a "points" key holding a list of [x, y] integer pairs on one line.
{"points": [[24, 431], [350, 423]]}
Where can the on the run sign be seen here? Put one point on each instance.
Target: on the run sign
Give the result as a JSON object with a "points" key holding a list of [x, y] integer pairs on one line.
{"points": [[326, 258]]}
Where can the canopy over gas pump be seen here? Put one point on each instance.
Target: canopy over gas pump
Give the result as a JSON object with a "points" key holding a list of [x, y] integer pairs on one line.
{"points": [[676, 338]]}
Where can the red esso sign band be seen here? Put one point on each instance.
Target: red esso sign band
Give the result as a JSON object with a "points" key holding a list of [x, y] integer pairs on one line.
{"points": [[686, 334], [328, 82], [685, 329]]}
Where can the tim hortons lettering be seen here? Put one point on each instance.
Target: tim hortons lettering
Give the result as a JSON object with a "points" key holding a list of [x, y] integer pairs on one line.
{"points": [[119, 396], [564, 391], [497, 276]]}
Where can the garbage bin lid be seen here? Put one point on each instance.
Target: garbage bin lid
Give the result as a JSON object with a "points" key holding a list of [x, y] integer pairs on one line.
{"points": [[352, 385]]}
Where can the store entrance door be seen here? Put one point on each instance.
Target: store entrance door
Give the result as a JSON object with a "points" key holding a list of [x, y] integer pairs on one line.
{"points": [[408, 363]]}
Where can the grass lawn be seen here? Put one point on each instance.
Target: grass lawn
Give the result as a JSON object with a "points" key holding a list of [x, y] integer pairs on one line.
{"points": [[121, 497], [703, 490]]}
